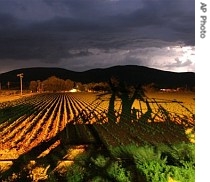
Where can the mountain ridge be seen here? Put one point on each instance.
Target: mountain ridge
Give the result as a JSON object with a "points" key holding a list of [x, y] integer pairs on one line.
{"points": [[132, 74]]}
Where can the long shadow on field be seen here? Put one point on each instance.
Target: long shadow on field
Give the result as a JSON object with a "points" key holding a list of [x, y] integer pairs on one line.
{"points": [[70, 135], [19, 164], [151, 124], [126, 94]]}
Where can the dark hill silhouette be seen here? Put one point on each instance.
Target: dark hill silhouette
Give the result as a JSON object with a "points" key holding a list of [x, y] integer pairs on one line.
{"points": [[130, 73]]}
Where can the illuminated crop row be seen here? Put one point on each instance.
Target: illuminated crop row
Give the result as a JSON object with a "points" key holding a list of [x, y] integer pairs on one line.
{"points": [[41, 117]]}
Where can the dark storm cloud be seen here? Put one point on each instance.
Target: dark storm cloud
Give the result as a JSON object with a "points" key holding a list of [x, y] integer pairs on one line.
{"points": [[175, 19], [8, 22], [25, 45], [51, 31]]}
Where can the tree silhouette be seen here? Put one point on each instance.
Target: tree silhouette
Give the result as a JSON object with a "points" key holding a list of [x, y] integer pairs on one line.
{"points": [[127, 94], [111, 111], [33, 86]]}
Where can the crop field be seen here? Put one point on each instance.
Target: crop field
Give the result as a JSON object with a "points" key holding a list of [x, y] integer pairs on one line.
{"points": [[45, 132]]}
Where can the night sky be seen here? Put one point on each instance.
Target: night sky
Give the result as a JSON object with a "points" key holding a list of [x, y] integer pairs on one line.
{"points": [[83, 34]]}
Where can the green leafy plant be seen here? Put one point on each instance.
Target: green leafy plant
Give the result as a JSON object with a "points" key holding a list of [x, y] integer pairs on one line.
{"points": [[118, 173], [162, 162], [75, 173], [100, 161]]}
